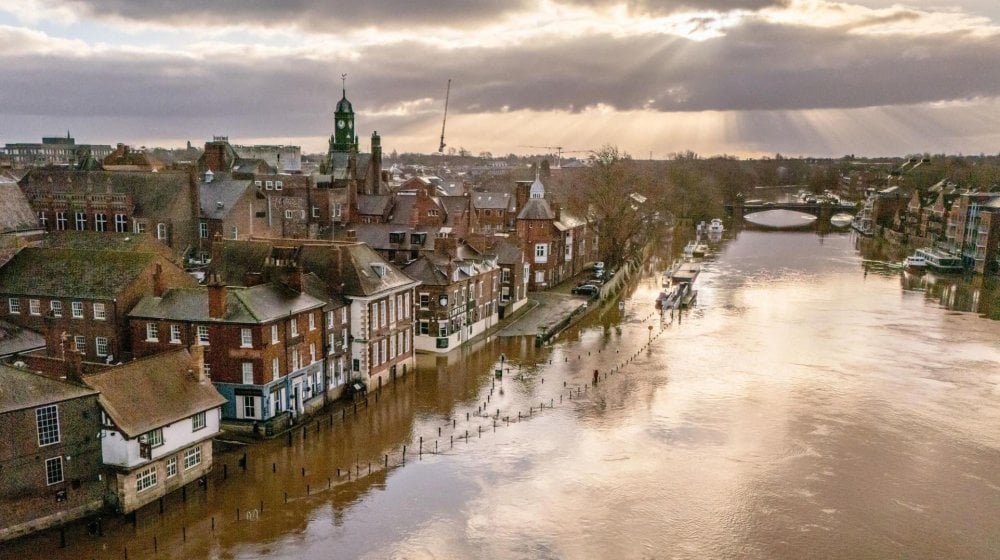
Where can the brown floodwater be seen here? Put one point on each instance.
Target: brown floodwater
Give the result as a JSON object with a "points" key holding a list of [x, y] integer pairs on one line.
{"points": [[811, 405]]}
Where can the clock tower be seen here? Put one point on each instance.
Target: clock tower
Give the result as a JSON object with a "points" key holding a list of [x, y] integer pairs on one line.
{"points": [[344, 138]]}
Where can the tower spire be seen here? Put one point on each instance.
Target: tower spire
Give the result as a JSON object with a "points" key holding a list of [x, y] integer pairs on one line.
{"points": [[343, 85]]}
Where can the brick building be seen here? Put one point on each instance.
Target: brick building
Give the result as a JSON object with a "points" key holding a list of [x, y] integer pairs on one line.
{"points": [[50, 452], [163, 204], [263, 344], [458, 298], [379, 297], [83, 294]]}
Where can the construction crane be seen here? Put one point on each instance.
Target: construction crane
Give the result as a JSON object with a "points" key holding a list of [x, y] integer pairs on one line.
{"points": [[558, 150], [447, 94]]}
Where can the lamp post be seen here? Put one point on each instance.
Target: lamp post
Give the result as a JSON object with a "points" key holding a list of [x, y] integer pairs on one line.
{"points": [[503, 358]]}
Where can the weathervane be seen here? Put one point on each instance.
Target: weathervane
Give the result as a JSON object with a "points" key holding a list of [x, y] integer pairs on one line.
{"points": [[343, 83]]}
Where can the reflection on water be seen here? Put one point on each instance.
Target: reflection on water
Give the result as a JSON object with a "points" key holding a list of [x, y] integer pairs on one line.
{"points": [[780, 219], [809, 406], [976, 294]]}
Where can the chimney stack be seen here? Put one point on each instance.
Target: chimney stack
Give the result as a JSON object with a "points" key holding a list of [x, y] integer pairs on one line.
{"points": [[73, 362], [216, 298], [296, 278], [198, 363], [158, 283]]}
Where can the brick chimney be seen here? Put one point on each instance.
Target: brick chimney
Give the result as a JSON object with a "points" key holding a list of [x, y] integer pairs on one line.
{"points": [[522, 190], [197, 370], [296, 278], [216, 298], [158, 282], [73, 362], [557, 209]]}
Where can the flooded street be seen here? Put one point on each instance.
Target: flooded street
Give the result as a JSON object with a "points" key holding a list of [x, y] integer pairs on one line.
{"points": [[808, 406]]}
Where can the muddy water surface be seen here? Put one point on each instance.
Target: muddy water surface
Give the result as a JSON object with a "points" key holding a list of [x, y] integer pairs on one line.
{"points": [[805, 408]]}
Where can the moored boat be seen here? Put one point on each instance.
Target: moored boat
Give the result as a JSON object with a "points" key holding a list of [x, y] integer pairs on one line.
{"points": [[695, 249], [939, 261], [716, 226], [915, 263]]}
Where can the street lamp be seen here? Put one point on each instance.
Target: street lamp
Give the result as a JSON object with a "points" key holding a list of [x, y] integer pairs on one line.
{"points": [[503, 358]]}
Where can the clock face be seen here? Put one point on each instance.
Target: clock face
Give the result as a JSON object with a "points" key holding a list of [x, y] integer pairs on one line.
{"points": [[341, 123], [350, 125]]}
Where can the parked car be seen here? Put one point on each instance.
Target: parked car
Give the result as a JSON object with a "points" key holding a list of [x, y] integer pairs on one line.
{"points": [[589, 290]]}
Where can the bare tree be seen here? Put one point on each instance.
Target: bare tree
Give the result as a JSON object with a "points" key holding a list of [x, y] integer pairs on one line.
{"points": [[615, 198]]}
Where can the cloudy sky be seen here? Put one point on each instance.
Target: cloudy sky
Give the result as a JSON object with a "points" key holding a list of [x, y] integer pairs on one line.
{"points": [[747, 77]]}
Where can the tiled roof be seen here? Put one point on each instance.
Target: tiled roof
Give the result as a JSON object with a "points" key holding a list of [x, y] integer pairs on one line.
{"points": [[153, 392], [72, 272], [20, 389], [258, 304], [108, 241]]}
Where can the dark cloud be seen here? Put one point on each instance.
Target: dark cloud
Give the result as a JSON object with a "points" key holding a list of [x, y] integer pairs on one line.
{"points": [[662, 7], [753, 67], [332, 16]]}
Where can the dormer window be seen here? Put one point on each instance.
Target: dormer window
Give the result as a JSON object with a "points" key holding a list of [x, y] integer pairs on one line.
{"points": [[378, 269]]}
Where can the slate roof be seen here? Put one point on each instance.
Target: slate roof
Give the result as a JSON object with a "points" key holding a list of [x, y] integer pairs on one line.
{"points": [[255, 305], [508, 253], [152, 392], [491, 200], [402, 208], [426, 272], [358, 276], [377, 235], [20, 389], [455, 207], [338, 166], [15, 339], [15, 212], [536, 209], [344, 266], [374, 204], [222, 189], [57, 272], [432, 269]]}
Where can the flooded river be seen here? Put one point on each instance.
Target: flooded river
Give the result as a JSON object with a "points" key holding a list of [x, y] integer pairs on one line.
{"points": [[810, 406]]}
